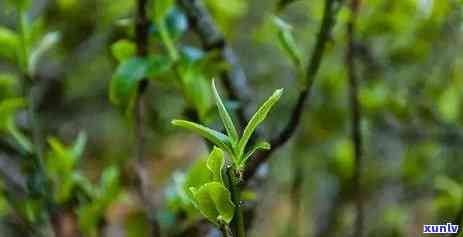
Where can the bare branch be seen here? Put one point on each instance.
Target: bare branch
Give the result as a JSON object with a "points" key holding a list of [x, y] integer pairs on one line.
{"points": [[355, 121], [143, 185], [311, 72]]}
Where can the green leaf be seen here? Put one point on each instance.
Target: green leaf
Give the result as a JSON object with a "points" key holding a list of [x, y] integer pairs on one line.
{"points": [[125, 80], [47, 42], [197, 175], [256, 119], [9, 85], [215, 163], [196, 87], [109, 184], [79, 145], [449, 104], [214, 202], [123, 50], [64, 159], [9, 42], [217, 138], [226, 119], [256, 147], [287, 42]]}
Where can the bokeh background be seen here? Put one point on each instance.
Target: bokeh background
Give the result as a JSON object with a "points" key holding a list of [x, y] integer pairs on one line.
{"points": [[410, 71]]}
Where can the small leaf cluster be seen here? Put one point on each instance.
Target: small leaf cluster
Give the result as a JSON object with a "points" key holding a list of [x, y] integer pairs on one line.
{"points": [[92, 212], [235, 146], [187, 68], [23, 47], [204, 184], [61, 168], [29, 43], [206, 188]]}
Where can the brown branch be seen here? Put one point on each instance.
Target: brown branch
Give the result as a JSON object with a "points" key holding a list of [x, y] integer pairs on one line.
{"points": [[356, 118], [311, 72], [212, 39], [143, 185]]}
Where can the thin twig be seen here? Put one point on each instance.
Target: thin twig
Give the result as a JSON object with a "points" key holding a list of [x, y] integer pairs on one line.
{"points": [[212, 39], [311, 72], [356, 118], [141, 39]]}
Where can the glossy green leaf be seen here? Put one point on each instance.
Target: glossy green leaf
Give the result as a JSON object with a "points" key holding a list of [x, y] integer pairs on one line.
{"points": [[125, 80], [123, 50], [256, 147], [256, 119], [215, 163], [226, 119], [197, 175], [217, 138], [9, 42], [214, 202]]}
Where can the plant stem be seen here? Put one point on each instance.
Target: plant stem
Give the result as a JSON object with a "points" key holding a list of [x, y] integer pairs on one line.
{"points": [[141, 38], [356, 118], [212, 39], [310, 75], [234, 183], [225, 229]]}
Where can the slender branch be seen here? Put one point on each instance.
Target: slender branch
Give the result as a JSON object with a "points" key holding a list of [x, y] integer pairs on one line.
{"points": [[213, 40], [311, 72], [356, 118], [141, 39]]}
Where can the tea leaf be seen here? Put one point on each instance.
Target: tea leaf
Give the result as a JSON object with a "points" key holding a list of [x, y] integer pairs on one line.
{"points": [[218, 138], [226, 119], [256, 119], [197, 175], [215, 163], [9, 42], [123, 50], [214, 202], [125, 80], [256, 147]]}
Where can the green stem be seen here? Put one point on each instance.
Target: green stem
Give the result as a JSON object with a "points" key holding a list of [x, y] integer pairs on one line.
{"points": [[226, 231], [234, 182], [167, 41]]}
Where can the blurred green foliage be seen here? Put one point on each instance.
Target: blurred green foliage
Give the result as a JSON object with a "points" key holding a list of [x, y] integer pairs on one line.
{"points": [[410, 68]]}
